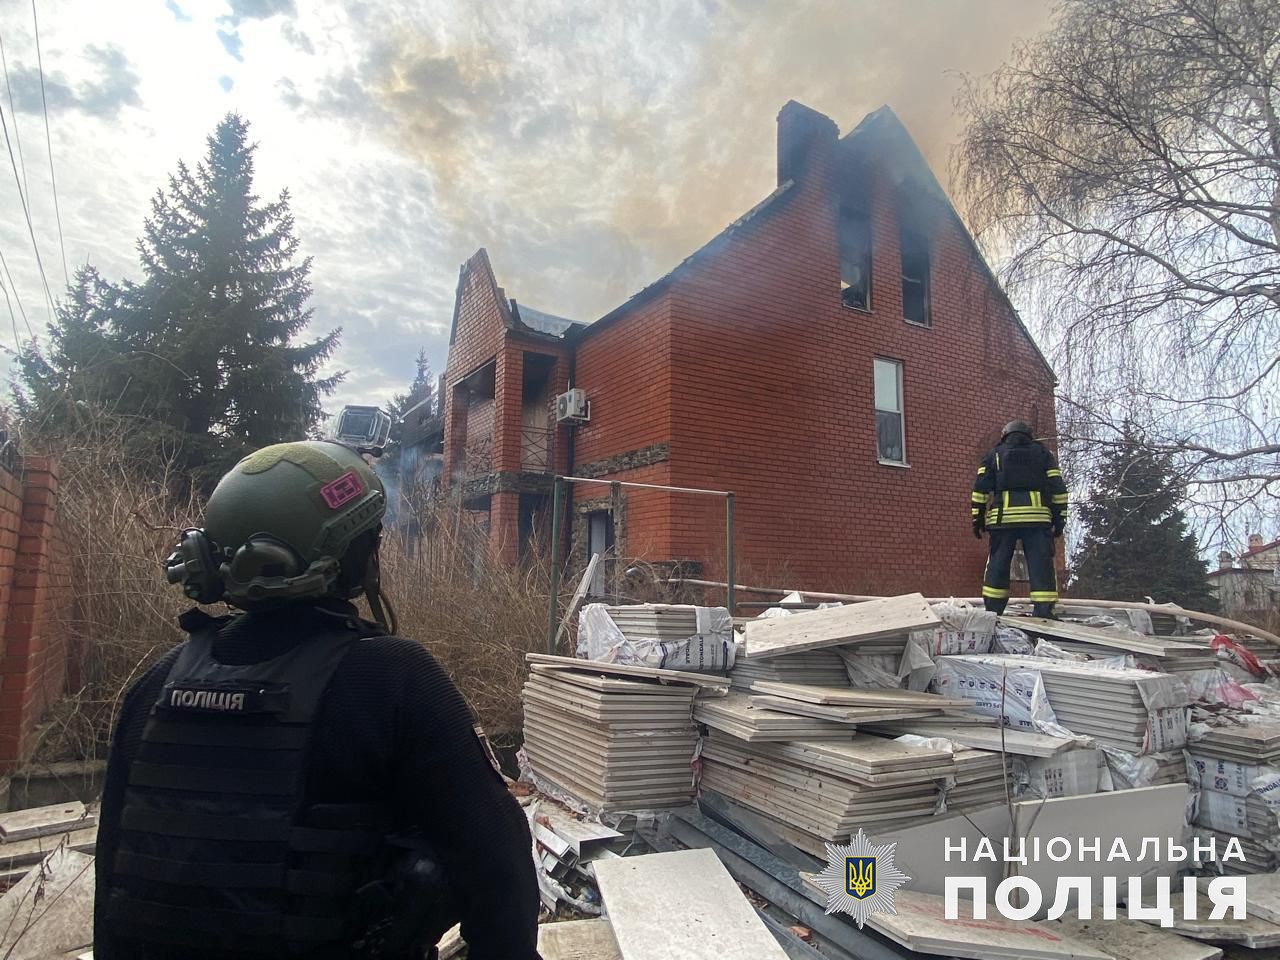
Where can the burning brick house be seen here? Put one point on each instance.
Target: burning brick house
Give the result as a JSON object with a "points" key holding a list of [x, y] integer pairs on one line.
{"points": [[840, 358]]}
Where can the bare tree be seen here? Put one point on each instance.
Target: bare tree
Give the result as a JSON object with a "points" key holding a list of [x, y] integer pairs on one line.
{"points": [[1125, 169]]}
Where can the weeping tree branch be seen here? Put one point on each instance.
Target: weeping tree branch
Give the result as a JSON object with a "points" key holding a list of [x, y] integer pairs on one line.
{"points": [[1124, 169]]}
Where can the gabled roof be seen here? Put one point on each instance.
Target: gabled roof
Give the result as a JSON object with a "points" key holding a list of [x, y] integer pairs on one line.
{"points": [[479, 261], [881, 130], [708, 249]]}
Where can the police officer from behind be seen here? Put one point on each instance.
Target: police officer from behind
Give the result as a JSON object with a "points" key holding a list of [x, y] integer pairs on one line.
{"points": [[1019, 495], [294, 781]]}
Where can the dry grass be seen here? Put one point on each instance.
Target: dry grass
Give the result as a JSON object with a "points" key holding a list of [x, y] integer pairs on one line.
{"points": [[119, 519], [477, 615]]}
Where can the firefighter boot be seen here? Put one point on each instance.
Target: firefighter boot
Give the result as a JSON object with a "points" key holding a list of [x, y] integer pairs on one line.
{"points": [[1044, 610], [994, 605]]}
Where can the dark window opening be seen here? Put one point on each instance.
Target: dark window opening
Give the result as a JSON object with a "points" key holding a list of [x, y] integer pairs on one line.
{"points": [[600, 540], [853, 230], [915, 277]]}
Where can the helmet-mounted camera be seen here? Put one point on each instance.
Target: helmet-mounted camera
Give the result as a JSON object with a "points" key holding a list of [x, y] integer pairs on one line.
{"points": [[364, 429]]}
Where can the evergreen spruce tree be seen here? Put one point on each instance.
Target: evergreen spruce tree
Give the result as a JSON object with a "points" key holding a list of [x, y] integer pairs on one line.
{"points": [[205, 348], [422, 388], [1136, 542]]}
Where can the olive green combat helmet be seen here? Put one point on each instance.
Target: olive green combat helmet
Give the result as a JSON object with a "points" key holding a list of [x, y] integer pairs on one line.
{"points": [[278, 525]]}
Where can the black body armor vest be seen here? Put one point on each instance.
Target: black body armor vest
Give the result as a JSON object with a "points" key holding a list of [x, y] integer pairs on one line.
{"points": [[219, 849], [1020, 467]]}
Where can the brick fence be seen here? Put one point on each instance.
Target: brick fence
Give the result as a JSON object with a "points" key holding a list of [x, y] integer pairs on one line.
{"points": [[35, 581]]}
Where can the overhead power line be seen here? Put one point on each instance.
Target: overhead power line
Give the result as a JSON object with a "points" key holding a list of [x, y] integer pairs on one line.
{"points": [[13, 317], [5, 268], [48, 139], [26, 210], [13, 112]]}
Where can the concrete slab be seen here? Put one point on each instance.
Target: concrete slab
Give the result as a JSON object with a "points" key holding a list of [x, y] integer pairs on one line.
{"points": [[856, 697], [50, 910], [43, 821], [815, 629], [709, 681], [681, 906], [919, 925], [1128, 815], [578, 940], [1127, 939]]}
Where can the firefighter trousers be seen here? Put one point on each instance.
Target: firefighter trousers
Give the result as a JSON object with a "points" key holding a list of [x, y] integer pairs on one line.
{"points": [[1037, 546]]}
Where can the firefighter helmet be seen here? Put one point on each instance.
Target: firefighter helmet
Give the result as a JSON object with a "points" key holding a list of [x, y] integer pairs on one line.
{"points": [[278, 525], [1016, 426]]}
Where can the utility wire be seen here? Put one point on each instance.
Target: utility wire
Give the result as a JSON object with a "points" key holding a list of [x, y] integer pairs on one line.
{"points": [[13, 111], [5, 267], [66, 276], [13, 317], [26, 210]]}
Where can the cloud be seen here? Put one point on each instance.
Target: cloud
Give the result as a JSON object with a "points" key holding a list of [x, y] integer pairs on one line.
{"points": [[298, 39], [177, 11], [242, 10], [114, 87], [226, 83], [231, 42]]}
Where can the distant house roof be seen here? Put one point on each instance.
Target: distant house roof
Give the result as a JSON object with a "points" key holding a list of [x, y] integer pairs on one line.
{"points": [[1262, 549], [542, 321]]}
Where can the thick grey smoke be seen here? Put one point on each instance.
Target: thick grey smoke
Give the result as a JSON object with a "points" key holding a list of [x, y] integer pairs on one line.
{"points": [[590, 151]]}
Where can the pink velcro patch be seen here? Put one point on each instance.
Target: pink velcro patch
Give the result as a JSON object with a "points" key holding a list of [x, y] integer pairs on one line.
{"points": [[343, 490]]}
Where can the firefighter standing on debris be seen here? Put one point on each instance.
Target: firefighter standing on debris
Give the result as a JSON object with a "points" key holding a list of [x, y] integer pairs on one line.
{"points": [[1019, 495], [295, 781]]}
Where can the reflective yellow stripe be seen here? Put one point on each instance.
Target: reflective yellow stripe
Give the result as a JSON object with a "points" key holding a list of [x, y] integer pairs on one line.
{"points": [[995, 593], [1026, 513], [976, 497], [1035, 499], [1053, 473], [1060, 498], [981, 471], [974, 512], [1041, 596]]}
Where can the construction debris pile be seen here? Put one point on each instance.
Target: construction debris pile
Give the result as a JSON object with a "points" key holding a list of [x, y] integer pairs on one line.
{"points": [[905, 719]]}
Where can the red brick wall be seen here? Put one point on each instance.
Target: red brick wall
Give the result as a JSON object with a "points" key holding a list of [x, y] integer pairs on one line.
{"points": [[627, 371], [756, 377], [35, 583], [478, 331], [762, 381]]}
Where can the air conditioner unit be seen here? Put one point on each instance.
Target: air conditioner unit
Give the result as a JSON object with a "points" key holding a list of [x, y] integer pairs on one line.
{"points": [[572, 407]]}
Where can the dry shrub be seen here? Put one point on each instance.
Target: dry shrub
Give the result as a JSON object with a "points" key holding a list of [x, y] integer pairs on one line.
{"points": [[119, 518], [478, 615]]}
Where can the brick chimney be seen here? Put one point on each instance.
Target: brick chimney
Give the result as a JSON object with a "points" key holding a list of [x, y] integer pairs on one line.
{"points": [[1224, 560], [803, 134]]}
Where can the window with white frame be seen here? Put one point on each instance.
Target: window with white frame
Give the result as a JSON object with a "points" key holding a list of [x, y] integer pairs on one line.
{"points": [[890, 434]]}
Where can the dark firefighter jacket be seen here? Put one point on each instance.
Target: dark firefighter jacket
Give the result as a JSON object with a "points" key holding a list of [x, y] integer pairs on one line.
{"points": [[390, 730], [1019, 484]]}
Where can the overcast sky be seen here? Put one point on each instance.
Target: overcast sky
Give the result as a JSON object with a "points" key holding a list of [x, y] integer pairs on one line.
{"points": [[588, 145]]}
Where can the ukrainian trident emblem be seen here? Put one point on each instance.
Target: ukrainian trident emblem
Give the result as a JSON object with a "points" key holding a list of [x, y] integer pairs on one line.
{"points": [[860, 878]]}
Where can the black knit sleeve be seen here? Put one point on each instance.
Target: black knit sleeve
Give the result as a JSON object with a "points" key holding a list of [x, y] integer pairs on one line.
{"points": [[445, 782]]}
